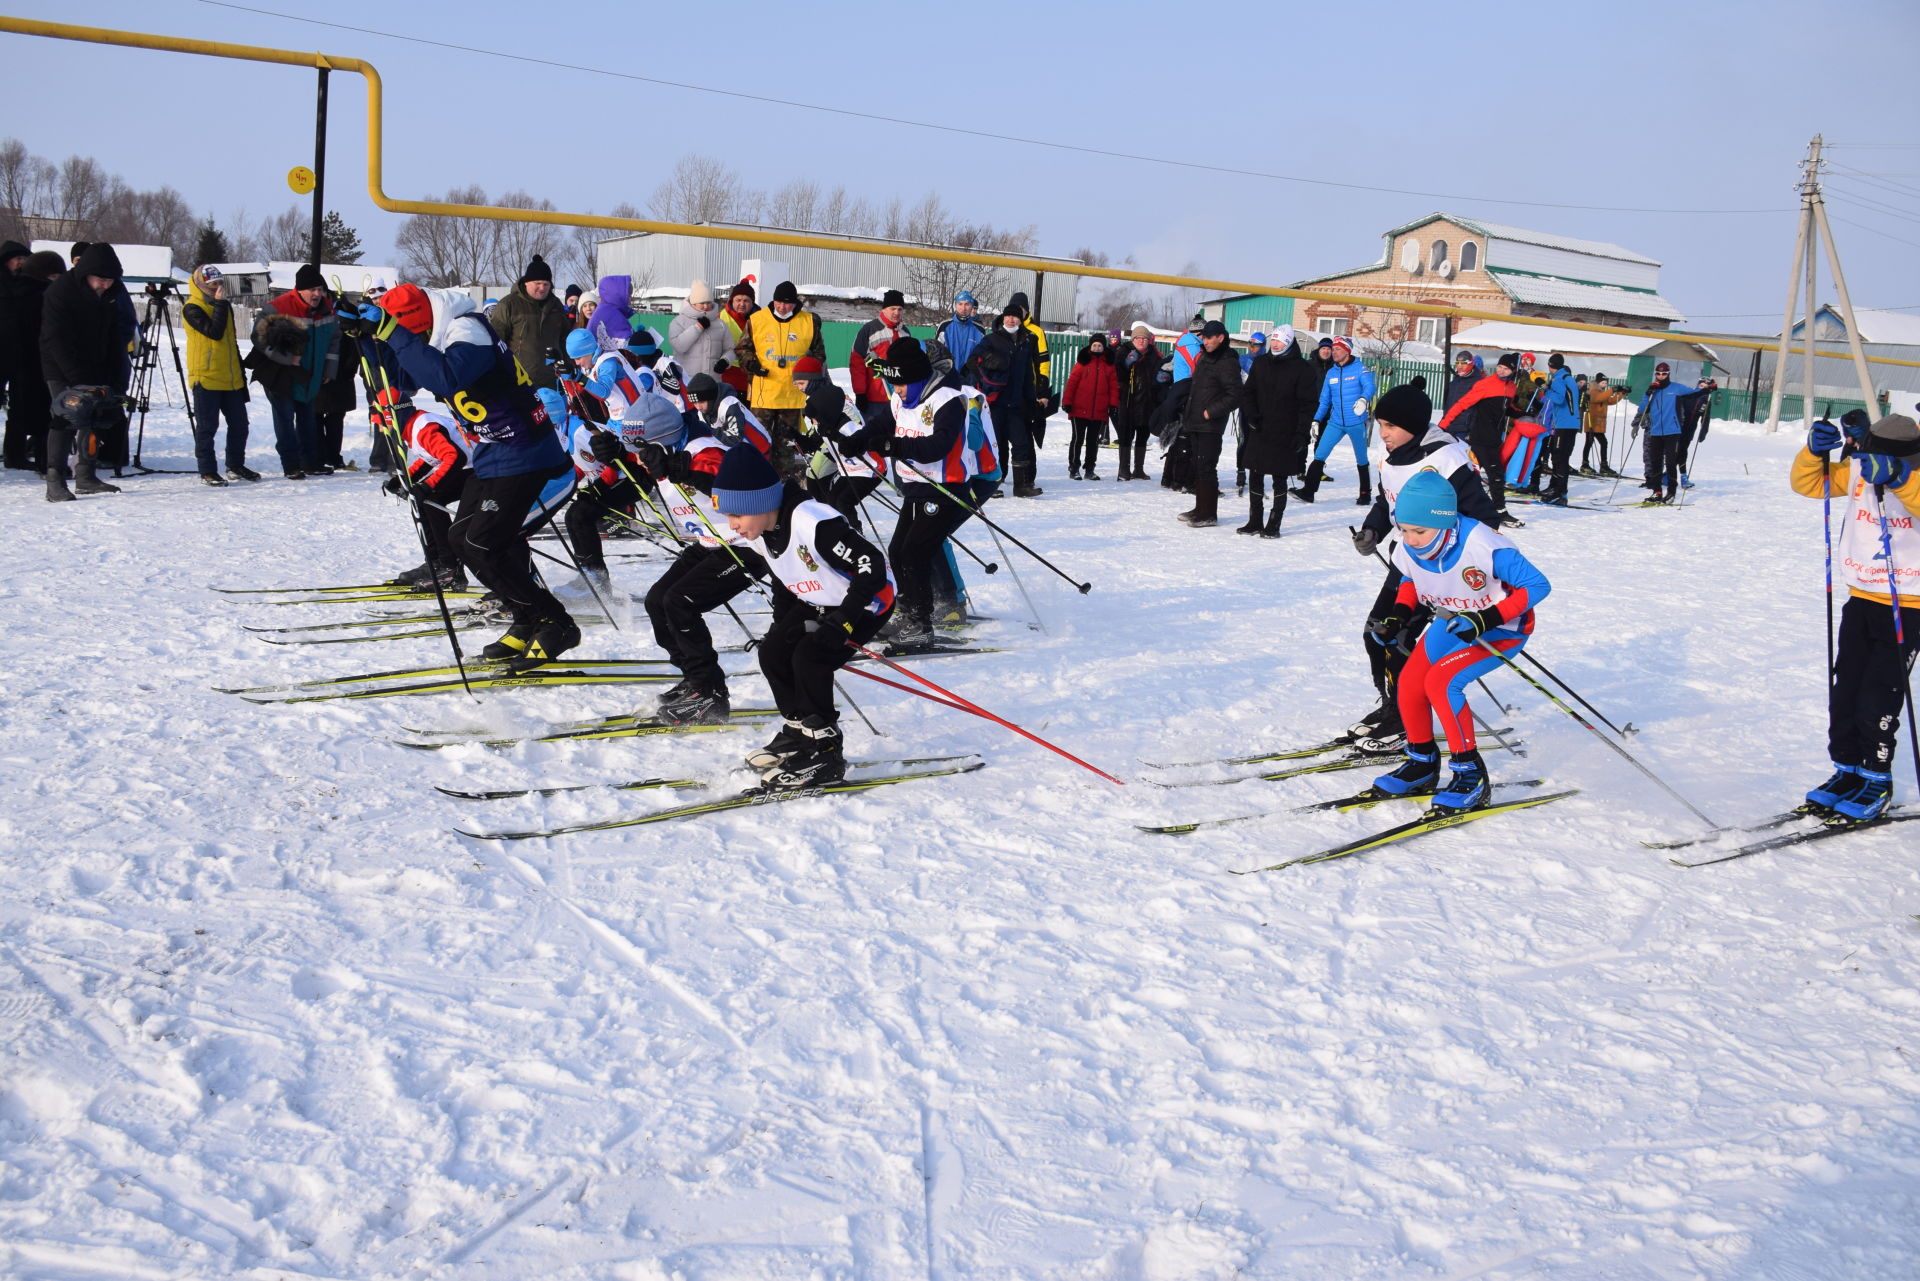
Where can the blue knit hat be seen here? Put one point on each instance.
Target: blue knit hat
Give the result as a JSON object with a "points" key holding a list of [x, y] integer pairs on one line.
{"points": [[581, 344], [1428, 502], [747, 484], [643, 342]]}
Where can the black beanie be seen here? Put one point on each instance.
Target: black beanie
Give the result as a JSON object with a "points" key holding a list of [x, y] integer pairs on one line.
{"points": [[537, 269], [906, 361], [892, 298], [785, 292], [1406, 407], [13, 249], [309, 277], [1556, 361], [826, 403], [99, 260], [1511, 360]]}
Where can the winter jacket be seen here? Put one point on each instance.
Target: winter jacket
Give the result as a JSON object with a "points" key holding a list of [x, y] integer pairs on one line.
{"points": [[1042, 363], [1671, 408], [1459, 385], [1186, 352], [532, 329], [1215, 393], [1003, 369], [1140, 388], [80, 331], [213, 349], [1093, 389], [1277, 411], [1527, 391], [960, 337], [291, 329], [1485, 404], [1560, 405], [769, 349], [1597, 406], [339, 393], [699, 347], [21, 299], [1344, 385], [870, 340]]}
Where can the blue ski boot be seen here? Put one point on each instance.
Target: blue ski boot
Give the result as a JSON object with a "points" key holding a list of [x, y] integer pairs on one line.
{"points": [[1845, 782], [1871, 800], [1416, 775], [1468, 789]]}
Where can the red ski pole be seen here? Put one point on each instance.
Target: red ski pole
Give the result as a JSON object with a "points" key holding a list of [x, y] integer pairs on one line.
{"points": [[908, 689], [966, 704]]}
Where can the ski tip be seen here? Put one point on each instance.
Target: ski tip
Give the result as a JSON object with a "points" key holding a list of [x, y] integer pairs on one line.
{"points": [[1176, 829]]}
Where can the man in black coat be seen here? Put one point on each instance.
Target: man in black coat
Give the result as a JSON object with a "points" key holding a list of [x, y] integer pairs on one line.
{"points": [[1276, 415], [83, 358], [21, 385], [1003, 368], [1214, 395], [1138, 365]]}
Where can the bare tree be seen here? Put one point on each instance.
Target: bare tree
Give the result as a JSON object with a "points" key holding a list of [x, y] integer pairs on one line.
{"points": [[795, 205], [702, 189], [577, 253], [26, 189], [440, 250], [81, 190], [515, 243], [287, 236], [936, 282]]}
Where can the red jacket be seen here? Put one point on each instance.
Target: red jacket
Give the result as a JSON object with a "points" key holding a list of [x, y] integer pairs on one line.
{"points": [[429, 435], [1092, 389], [1490, 387]]}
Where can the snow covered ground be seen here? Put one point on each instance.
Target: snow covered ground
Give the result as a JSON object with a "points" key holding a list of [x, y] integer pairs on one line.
{"points": [[263, 1015]]}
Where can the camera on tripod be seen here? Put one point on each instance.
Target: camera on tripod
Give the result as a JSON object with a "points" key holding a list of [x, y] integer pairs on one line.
{"points": [[155, 288]]}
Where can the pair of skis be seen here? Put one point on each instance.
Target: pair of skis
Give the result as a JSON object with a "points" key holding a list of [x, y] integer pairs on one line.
{"points": [[630, 725], [1815, 824], [584, 671]]}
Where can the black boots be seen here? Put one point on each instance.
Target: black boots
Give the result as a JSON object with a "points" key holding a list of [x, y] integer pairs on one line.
{"points": [[1023, 486], [1255, 506], [58, 443], [820, 760], [1206, 509], [1272, 528], [1366, 487], [1316, 471], [85, 480]]}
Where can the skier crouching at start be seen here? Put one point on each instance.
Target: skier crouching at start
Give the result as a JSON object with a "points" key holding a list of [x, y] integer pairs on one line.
{"points": [[1878, 558], [1482, 591], [832, 591]]}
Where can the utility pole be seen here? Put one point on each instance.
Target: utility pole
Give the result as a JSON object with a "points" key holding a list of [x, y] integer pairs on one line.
{"points": [[1814, 232], [319, 167]]}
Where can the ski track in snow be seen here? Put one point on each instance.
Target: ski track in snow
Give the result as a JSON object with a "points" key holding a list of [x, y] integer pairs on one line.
{"points": [[263, 1015]]}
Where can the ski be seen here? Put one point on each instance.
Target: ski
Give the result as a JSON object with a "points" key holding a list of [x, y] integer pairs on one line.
{"points": [[461, 624], [398, 594], [447, 669], [283, 591], [1345, 804], [1535, 502], [1821, 833], [398, 620], [1353, 758], [1286, 754], [527, 680], [1428, 822], [617, 727], [931, 651], [739, 800], [645, 783], [1764, 825]]}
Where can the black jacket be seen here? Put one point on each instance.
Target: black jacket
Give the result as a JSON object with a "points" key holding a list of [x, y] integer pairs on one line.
{"points": [[21, 298], [1277, 411], [1140, 390], [1002, 367], [81, 344], [1215, 392]]}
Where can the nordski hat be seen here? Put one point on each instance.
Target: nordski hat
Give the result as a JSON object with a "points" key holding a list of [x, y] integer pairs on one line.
{"points": [[409, 305], [1427, 501], [747, 484], [906, 361], [702, 387], [581, 344], [808, 367], [644, 342]]}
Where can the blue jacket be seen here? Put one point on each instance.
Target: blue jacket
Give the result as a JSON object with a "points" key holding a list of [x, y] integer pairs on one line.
{"points": [[1561, 409], [960, 337], [1344, 385], [1670, 408], [1186, 354], [531, 447]]}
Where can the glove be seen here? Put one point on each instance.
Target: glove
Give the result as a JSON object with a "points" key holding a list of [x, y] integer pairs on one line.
{"points": [[1824, 438], [1314, 428], [394, 486], [1881, 469], [704, 322], [1471, 625], [653, 459], [606, 447], [1365, 541], [821, 465], [1384, 628], [1360, 406]]}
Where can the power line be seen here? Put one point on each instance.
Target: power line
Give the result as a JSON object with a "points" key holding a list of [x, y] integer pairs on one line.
{"points": [[1749, 315], [1876, 231], [976, 133], [1879, 183], [1877, 206]]}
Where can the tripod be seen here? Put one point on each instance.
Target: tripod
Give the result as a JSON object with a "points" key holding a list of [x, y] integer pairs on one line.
{"points": [[146, 362]]}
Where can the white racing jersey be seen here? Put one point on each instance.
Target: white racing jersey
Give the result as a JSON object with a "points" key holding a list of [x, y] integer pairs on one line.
{"points": [[808, 574], [1862, 559], [1465, 579], [1445, 461]]}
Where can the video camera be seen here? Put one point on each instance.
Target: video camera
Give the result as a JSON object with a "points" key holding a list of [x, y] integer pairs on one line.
{"points": [[159, 288]]}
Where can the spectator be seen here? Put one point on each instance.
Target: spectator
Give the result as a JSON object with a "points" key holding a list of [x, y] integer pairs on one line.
{"points": [[776, 337], [697, 335], [1140, 390], [741, 304], [870, 344], [1213, 396], [1276, 415], [215, 376], [573, 304], [1560, 414], [1044, 399], [532, 322], [336, 400], [1344, 413], [584, 309], [1600, 400], [1670, 414], [1003, 369], [1093, 389], [84, 361], [1477, 414], [295, 350], [961, 333], [21, 387]]}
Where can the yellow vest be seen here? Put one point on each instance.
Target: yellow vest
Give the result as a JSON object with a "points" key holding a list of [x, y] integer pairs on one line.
{"points": [[213, 363], [775, 340]]}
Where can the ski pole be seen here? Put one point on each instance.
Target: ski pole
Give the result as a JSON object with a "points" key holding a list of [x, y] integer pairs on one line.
{"points": [[1899, 628], [986, 566], [1826, 528], [918, 693], [1575, 695], [397, 445], [969, 705], [986, 520], [1033, 609]]}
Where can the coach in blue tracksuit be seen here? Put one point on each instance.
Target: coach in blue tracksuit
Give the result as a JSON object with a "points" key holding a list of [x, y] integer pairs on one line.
{"points": [[1344, 413], [1560, 412], [1668, 409]]}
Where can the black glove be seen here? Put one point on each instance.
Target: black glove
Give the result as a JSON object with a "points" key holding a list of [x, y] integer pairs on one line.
{"points": [[1384, 628], [606, 447], [395, 485], [1365, 541], [703, 321], [829, 632], [1474, 623], [653, 459], [353, 326]]}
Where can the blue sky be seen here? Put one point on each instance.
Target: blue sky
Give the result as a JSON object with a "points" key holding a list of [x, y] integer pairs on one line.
{"points": [[1663, 106]]}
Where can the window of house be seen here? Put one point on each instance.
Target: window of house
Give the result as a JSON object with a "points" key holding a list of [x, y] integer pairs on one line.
{"points": [[1409, 254], [1332, 326], [1439, 254], [1429, 330], [1469, 255]]}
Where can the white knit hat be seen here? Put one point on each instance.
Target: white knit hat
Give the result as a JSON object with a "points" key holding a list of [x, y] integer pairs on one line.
{"points": [[699, 291]]}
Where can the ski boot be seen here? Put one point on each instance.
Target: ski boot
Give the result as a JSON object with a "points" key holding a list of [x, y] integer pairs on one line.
{"points": [[1417, 774], [551, 638], [599, 581], [419, 576], [780, 748], [914, 633], [1468, 789], [821, 760], [492, 609], [1846, 781], [1686, 481], [695, 706], [1510, 521], [511, 646], [1382, 721], [1869, 801]]}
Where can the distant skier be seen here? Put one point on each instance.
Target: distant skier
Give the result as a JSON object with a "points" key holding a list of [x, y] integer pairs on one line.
{"points": [[1669, 411], [1478, 415], [1346, 405]]}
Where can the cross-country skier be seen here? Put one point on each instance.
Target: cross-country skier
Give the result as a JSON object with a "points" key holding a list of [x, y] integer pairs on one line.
{"points": [[1346, 402], [1479, 416], [1481, 590], [1669, 410], [1874, 661], [437, 464], [1560, 414], [832, 591], [1411, 447], [731, 422]]}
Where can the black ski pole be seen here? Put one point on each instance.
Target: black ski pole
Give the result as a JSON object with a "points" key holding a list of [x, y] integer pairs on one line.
{"points": [[1575, 695], [987, 566], [988, 521]]}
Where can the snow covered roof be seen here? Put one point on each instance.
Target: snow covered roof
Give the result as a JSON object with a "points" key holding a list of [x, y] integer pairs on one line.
{"points": [[1502, 335], [1556, 291], [1500, 231], [139, 262], [353, 277], [1885, 326]]}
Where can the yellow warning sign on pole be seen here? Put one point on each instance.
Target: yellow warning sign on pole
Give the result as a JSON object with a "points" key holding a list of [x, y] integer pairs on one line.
{"points": [[300, 178]]}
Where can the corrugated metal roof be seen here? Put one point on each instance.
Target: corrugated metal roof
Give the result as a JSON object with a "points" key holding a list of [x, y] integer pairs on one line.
{"points": [[1598, 248], [1548, 291]]}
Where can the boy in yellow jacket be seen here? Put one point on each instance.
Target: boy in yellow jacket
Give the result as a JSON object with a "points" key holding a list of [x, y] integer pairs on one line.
{"points": [[218, 383], [1877, 556]]}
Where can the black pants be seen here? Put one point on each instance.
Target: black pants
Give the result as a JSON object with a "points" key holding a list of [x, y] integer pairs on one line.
{"points": [[1562, 458], [1385, 661], [590, 504], [927, 518], [799, 665], [1083, 450], [333, 429], [29, 410], [1870, 675], [1663, 462], [436, 515], [1133, 446], [1484, 439], [1586, 449], [700, 579], [489, 538], [1203, 462]]}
